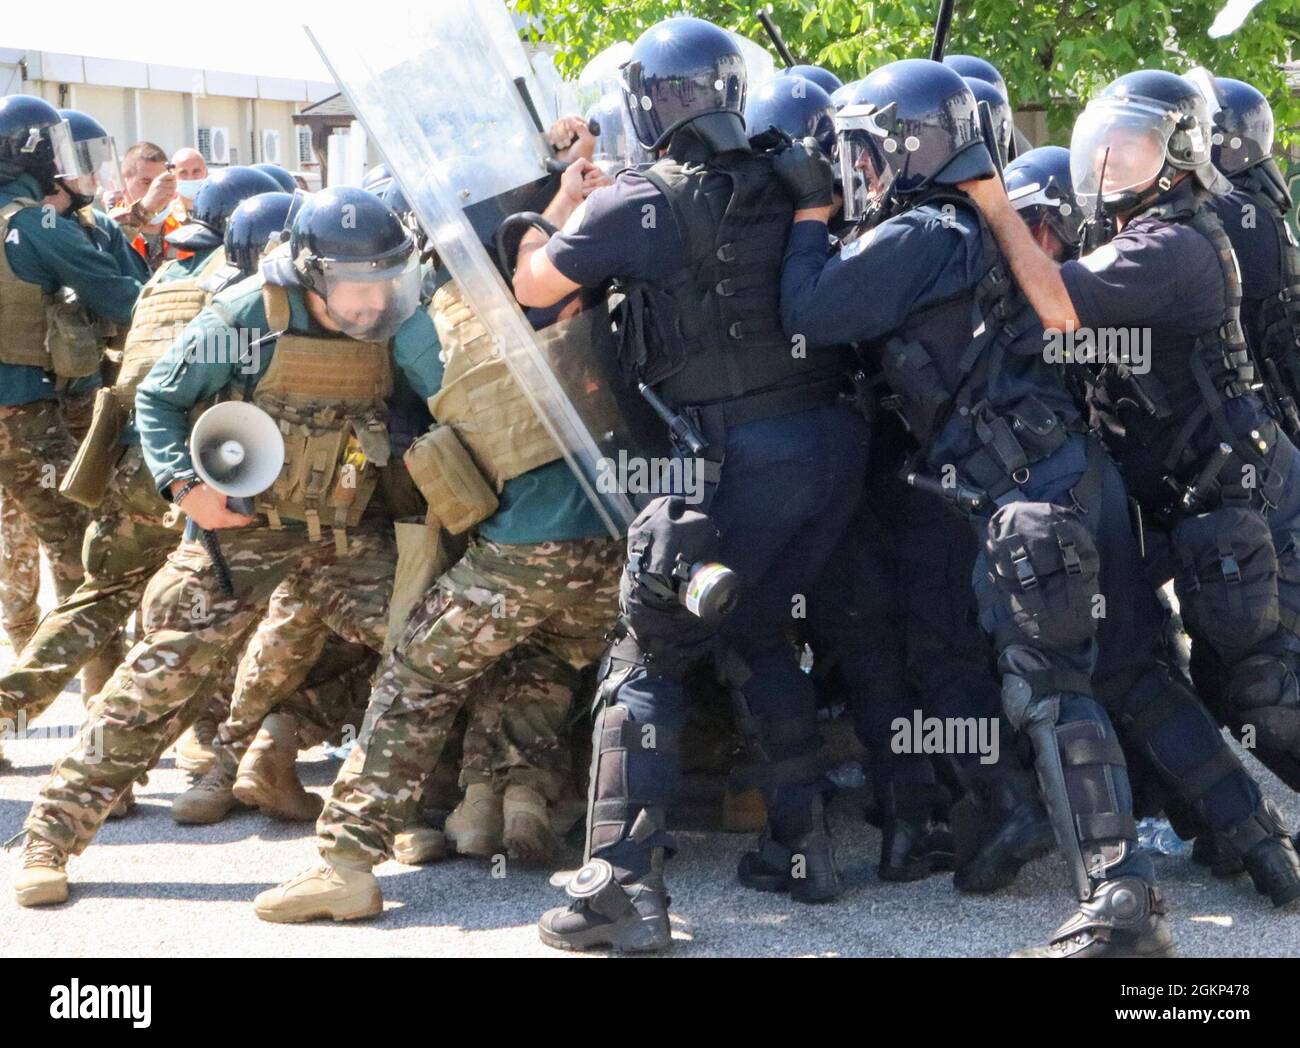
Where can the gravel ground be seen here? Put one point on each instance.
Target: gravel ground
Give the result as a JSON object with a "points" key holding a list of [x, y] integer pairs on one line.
{"points": [[147, 888]]}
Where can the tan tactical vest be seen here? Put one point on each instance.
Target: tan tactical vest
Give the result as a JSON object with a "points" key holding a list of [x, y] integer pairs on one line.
{"points": [[480, 399], [22, 304], [161, 313], [329, 396]]}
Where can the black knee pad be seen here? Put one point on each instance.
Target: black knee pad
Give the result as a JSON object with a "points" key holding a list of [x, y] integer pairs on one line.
{"points": [[1227, 579], [1264, 694], [1045, 568]]}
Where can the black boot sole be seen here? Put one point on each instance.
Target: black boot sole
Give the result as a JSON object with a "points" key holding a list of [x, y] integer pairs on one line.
{"points": [[598, 939]]}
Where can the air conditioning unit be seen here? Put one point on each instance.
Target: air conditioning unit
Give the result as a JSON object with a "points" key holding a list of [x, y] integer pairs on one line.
{"points": [[306, 155], [270, 147], [214, 144]]}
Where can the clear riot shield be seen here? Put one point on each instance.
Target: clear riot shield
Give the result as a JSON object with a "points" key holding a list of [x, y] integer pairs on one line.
{"points": [[432, 84], [603, 75], [760, 66]]}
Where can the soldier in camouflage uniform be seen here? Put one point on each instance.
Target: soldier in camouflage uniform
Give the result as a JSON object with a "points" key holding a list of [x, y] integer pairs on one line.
{"points": [[134, 528], [538, 584], [318, 339], [67, 276]]}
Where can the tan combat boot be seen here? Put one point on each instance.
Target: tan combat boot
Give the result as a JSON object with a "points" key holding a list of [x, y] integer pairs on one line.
{"points": [[124, 805], [323, 891], [267, 780], [417, 845], [196, 749], [527, 835], [210, 799], [475, 827], [43, 880]]}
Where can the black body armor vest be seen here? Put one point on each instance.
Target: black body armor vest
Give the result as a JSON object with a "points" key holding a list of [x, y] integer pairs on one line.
{"points": [[713, 332]]}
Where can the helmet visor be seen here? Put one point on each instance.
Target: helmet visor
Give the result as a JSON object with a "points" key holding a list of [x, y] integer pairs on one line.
{"points": [[371, 300], [97, 169], [864, 169], [1118, 146], [65, 150]]}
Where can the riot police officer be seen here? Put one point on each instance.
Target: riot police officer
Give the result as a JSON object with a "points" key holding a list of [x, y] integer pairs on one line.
{"points": [[1253, 214], [696, 240], [996, 420], [1209, 469]]}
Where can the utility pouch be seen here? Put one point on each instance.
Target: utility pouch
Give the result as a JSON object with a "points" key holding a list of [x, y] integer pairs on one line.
{"points": [[71, 338], [458, 494], [88, 479]]}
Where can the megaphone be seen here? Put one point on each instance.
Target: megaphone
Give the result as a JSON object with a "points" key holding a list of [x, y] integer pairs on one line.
{"points": [[237, 449]]}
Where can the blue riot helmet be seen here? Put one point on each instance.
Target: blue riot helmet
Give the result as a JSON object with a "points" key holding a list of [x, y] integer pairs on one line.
{"points": [[823, 78], [846, 94], [36, 141], [256, 224], [1004, 128], [686, 72], [375, 177], [794, 105], [1040, 188], [913, 125], [348, 247], [221, 192], [98, 169], [282, 177], [1132, 140], [1243, 127], [978, 69]]}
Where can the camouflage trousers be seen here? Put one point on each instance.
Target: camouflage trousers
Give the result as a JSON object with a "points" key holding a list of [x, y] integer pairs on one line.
{"points": [[497, 604], [20, 573], [191, 632], [287, 648], [36, 449], [124, 546]]}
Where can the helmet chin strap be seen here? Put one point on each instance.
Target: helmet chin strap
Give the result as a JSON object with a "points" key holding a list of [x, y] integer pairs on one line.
{"points": [[1130, 201]]}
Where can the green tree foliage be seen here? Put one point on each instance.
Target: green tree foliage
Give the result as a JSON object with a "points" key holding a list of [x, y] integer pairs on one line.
{"points": [[1054, 55]]}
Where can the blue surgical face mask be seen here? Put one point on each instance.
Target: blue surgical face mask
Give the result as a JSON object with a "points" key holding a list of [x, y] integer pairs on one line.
{"points": [[189, 188]]}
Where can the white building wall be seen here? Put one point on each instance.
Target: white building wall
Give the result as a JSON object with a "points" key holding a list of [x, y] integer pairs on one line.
{"points": [[166, 104]]}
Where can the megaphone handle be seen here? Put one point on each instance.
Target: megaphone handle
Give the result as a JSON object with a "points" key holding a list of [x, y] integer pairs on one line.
{"points": [[244, 507], [213, 549]]}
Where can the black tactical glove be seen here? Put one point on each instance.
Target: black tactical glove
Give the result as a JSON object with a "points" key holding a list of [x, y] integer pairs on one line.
{"points": [[806, 173]]}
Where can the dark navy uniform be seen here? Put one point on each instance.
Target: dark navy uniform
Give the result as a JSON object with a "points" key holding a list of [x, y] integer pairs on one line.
{"points": [[788, 484]]}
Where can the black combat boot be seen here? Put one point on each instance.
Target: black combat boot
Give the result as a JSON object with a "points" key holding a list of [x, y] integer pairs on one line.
{"points": [[1000, 826], [805, 867], [1123, 918], [630, 918], [915, 841], [1268, 855], [1210, 851]]}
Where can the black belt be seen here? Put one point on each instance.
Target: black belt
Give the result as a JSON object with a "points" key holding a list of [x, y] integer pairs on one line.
{"points": [[771, 403]]}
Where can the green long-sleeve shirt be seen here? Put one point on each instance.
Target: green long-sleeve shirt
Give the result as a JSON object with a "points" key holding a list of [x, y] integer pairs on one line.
{"points": [[98, 265], [544, 505]]}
